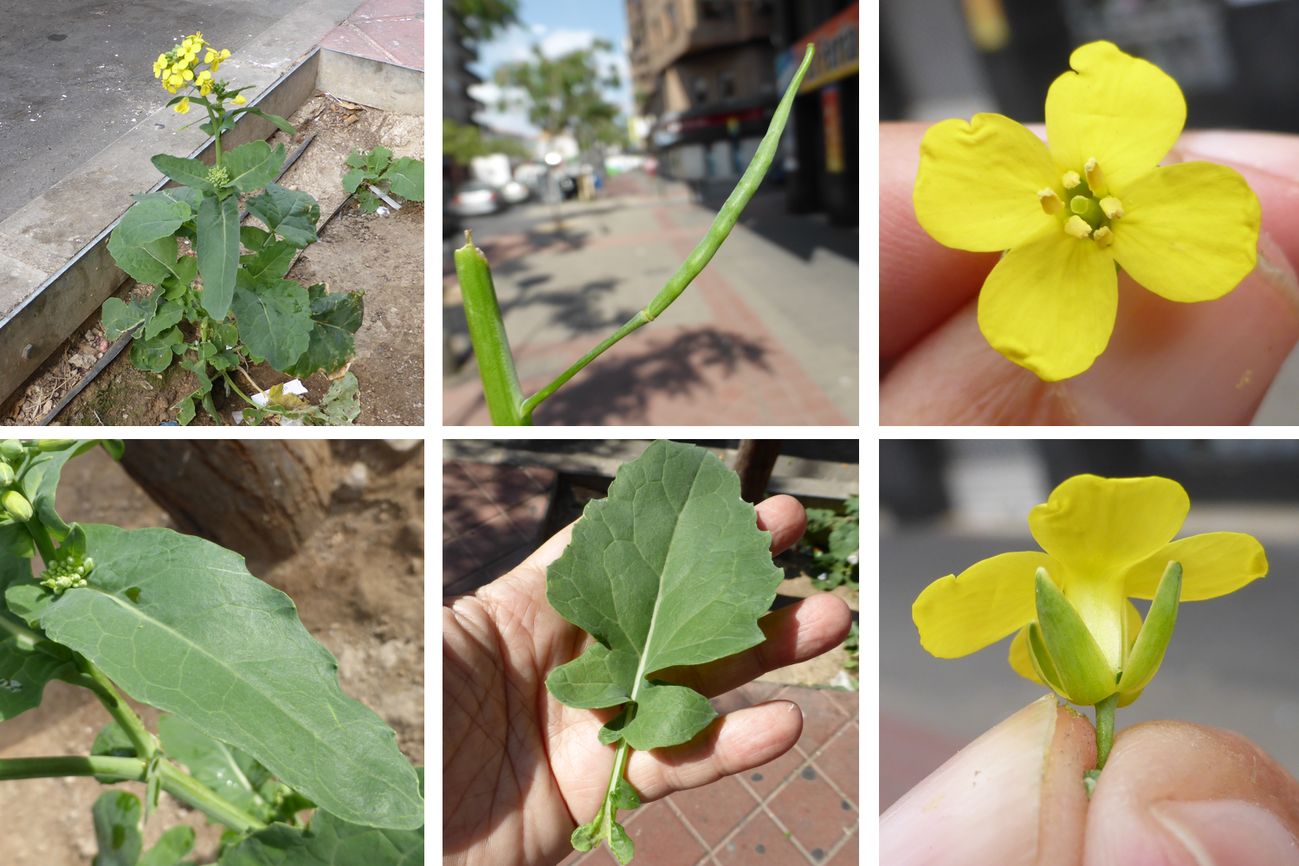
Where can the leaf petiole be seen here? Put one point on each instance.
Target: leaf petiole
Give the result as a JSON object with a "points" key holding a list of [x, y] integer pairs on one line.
{"points": [[146, 745]]}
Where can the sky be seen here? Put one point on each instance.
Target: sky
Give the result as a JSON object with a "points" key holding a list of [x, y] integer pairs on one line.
{"points": [[559, 26]]}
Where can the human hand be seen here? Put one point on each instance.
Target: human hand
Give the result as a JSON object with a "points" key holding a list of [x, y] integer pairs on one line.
{"points": [[1171, 794], [518, 766], [1167, 363]]}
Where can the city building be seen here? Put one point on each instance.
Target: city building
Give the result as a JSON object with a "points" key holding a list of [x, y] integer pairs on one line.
{"points": [[822, 171], [457, 53], [703, 79]]}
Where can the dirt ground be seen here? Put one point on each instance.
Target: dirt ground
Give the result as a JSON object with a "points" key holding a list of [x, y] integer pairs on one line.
{"points": [[358, 585], [381, 254]]}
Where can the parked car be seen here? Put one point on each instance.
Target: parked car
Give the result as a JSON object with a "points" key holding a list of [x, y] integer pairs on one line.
{"points": [[475, 198], [514, 192]]}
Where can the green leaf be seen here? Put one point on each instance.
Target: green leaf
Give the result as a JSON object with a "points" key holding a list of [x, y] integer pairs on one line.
{"points": [[24, 669], [153, 216], [168, 314], [41, 480], [148, 263], [170, 848], [405, 177], [290, 214], [215, 764], [185, 411], [329, 841], [353, 179], [187, 172], [342, 403], [280, 123], [253, 165], [180, 624], [274, 318], [218, 253], [377, 160], [155, 355], [253, 238], [117, 829], [336, 317], [273, 260], [1084, 673], [119, 317], [670, 569]]}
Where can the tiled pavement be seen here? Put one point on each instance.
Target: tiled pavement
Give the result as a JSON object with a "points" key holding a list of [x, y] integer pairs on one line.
{"points": [[390, 31], [801, 808], [729, 348]]}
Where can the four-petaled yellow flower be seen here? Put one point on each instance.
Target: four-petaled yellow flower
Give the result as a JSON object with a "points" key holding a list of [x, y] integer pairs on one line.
{"points": [[179, 66], [1068, 214], [1104, 540], [182, 107]]}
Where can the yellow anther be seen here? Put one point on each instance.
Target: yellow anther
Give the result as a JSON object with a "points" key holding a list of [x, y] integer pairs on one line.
{"points": [[1080, 204], [1070, 180], [1103, 237], [1050, 201], [1095, 179], [1112, 207], [1077, 226]]}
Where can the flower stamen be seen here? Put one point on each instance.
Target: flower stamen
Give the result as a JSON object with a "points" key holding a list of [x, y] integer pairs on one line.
{"points": [[1050, 200], [1071, 180], [1112, 207], [1103, 237], [1078, 227], [1095, 179]]}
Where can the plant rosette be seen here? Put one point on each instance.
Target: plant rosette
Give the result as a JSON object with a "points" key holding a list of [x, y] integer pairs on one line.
{"points": [[1104, 541], [254, 732], [229, 304], [1094, 199], [377, 170]]}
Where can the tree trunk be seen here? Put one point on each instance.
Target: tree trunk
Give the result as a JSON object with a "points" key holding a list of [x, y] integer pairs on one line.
{"points": [[261, 498], [753, 463]]}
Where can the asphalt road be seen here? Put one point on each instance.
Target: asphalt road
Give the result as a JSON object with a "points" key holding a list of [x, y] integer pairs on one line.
{"points": [[1231, 664], [77, 74]]}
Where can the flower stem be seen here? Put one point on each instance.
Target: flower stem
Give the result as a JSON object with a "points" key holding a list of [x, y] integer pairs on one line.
{"points": [[1105, 729], [487, 334], [99, 683]]}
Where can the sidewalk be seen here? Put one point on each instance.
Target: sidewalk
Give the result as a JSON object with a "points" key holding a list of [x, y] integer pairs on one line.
{"points": [[767, 334], [801, 808]]}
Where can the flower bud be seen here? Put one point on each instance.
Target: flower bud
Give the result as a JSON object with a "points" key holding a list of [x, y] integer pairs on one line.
{"points": [[6, 475], [53, 444], [11, 450], [16, 506]]}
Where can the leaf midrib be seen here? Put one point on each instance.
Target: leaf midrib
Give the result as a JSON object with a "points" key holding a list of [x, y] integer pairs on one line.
{"points": [[658, 597]]}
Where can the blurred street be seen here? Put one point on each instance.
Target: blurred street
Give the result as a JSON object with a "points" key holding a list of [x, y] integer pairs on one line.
{"points": [[1231, 663], [767, 334]]}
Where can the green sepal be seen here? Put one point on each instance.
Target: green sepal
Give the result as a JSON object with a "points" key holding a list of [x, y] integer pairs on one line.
{"points": [[1041, 659], [1085, 675], [1152, 641]]}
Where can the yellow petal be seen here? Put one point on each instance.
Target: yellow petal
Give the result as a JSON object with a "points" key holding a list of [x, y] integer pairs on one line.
{"points": [[957, 615], [978, 184], [1050, 305], [1123, 111], [1213, 564], [1189, 231], [1099, 527], [1019, 659]]}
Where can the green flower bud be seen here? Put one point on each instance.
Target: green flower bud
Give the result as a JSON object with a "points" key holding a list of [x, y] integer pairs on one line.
{"points": [[11, 450], [16, 506], [53, 444], [6, 475]]}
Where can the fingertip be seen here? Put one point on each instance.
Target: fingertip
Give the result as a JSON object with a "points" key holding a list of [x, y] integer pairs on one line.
{"points": [[785, 518]]}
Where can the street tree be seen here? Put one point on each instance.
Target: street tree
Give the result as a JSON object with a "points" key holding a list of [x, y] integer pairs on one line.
{"points": [[566, 94], [482, 20]]}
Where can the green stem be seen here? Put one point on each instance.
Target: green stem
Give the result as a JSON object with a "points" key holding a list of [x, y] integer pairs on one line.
{"points": [[1105, 729], [99, 683], [705, 249], [217, 118], [487, 334], [41, 536], [174, 781]]}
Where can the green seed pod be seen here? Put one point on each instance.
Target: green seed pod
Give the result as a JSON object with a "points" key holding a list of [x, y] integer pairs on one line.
{"points": [[6, 475], [53, 444], [16, 505], [12, 450]]}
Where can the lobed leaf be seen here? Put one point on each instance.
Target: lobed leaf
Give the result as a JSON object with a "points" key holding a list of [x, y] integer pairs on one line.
{"points": [[274, 318], [187, 172], [180, 624], [148, 263], [154, 215], [253, 165], [405, 177], [335, 317], [117, 829], [290, 214]]}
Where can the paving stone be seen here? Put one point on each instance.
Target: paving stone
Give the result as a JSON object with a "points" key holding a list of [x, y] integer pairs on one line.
{"points": [[840, 761], [715, 810], [817, 816], [760, 842]]}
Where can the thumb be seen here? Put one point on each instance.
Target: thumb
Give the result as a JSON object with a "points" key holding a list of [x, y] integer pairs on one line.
{"points": [[1177, 794], [1013, 797]]}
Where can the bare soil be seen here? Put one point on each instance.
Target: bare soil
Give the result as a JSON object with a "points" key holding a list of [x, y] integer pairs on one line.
{"points": [[359, 589], [382, 255]]}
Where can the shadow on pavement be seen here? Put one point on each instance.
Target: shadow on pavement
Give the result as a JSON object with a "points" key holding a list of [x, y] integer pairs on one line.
{"points": [[800, 234], [613, 391]]}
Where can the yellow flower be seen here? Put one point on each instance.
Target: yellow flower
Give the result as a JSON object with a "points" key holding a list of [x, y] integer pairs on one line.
{"points": [[239, 99], [1104, 540], [214, 59], [1097, 197], [182, 107]]}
